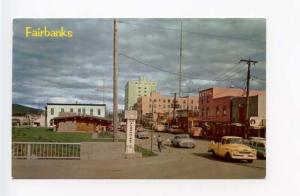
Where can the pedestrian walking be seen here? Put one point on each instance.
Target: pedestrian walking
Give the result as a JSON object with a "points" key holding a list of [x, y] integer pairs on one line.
{"points": [[159, 143]]}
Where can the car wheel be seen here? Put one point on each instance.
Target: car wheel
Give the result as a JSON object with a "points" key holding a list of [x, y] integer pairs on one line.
{"points": [[213, 153], [227, 157]]}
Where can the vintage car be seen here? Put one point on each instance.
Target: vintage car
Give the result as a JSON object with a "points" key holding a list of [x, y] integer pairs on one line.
{"points": [[256, 138], [142, 135], [175, 129], [139, 128], [232, 148], [183, 140], [259, 145]]}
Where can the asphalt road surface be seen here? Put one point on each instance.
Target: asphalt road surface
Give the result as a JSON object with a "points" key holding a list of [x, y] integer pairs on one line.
{"points": [[171, 163]]}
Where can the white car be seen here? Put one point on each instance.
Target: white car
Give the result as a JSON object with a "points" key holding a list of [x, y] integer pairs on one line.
{"points": [[142, 135], [183, 140]]}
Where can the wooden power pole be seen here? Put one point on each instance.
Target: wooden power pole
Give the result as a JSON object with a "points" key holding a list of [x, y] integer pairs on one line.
{"points": [[115, 81], [180, 61], [249, 62]]}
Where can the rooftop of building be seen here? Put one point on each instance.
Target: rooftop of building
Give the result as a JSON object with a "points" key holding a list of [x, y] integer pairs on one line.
{"points": [[78, 104], [218, 92]]}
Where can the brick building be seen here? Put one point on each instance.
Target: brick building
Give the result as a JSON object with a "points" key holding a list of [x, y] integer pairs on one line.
{"points": [[218, 115], [163, 105], [216, 103]]}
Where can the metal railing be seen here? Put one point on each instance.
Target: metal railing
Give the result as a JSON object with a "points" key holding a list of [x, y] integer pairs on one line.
{"points": [[45, 150]]}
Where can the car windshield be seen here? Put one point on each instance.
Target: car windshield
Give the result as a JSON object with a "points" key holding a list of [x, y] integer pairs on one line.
{"points": [[234, 141]]}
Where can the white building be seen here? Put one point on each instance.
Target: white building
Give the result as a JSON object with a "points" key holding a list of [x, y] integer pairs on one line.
{"points": [[53, 110]]}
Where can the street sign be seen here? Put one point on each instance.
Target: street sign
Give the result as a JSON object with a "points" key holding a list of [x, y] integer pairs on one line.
{"points": [[131, 114], [130, 137]]}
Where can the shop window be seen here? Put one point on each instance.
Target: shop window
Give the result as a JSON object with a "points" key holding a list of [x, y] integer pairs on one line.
{"points": [[52, 111]]}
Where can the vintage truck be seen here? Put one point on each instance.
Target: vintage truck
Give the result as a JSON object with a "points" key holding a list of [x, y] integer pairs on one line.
{"points": [[232, 148]]}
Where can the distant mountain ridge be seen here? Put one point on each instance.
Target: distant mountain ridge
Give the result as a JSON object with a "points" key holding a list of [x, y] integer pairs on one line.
{"points": [[18, 109]]}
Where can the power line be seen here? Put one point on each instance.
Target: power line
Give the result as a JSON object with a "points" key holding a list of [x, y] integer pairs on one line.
{"points": [[196, 33], [170, 72], [258, 78]]}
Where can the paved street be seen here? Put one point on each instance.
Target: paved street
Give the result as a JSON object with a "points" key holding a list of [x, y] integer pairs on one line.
{"points": [[171, 163]]}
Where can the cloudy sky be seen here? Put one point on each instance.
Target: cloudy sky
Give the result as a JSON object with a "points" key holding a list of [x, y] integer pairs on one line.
{"points": [[70, 70]]}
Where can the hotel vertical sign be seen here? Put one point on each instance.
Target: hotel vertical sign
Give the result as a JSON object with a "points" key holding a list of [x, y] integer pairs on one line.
{"points": [[131, 116]]}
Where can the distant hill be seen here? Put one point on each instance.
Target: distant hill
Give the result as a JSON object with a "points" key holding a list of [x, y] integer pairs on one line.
{"points": [[18, 109]]}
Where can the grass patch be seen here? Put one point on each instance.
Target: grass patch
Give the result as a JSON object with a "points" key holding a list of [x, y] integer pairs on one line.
{"points": [[145, 152], [48, 135]]}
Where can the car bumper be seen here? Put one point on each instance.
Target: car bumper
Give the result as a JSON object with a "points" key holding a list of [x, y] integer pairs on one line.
{"points": [[244, 157], [189, 145]]}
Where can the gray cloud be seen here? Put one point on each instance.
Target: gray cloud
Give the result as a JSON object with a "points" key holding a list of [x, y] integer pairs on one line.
{"points": [[72, 70]]}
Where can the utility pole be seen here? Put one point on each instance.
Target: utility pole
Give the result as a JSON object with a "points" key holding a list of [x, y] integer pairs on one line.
{"points": [[115, 81], [249, 62], [103, 91], [152, 125], [180, 60], [174, 108]]}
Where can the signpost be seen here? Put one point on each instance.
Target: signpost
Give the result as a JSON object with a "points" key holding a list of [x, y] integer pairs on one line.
{"points": [[130, 116]]}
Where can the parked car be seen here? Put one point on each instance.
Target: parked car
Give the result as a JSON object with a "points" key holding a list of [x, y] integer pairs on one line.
{"points": [[175, 129], [139, 128], [256, 138], [259, 146], [183, 140], [232, 148], [142, 135]]}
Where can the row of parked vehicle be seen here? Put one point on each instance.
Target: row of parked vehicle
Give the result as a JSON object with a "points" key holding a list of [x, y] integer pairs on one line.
{"points": [[229, 147]]}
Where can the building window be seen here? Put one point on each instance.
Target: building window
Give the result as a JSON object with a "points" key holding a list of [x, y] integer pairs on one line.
{"points": [[154, 100], [207, 111], [224, 110], [217, 111], [83, 110], [168, 100], [192, 101], [62, 110], [150, 106], [71, 109], [52, 111], [79, 110], [99, 112], [207, 99], [91, 111]]}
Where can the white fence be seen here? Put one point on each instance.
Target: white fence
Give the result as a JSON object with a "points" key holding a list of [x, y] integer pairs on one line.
{"points": [[45, 150]]}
